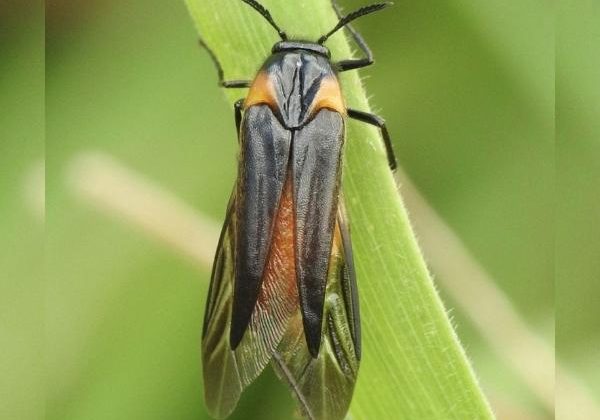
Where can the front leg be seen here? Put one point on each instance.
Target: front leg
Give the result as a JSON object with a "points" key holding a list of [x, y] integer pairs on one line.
{"points": [[222, 82], [352, 64], [380, 123]]}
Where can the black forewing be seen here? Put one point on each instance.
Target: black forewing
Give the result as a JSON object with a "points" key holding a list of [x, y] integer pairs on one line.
{"points": [[316, 164], [265, 150]]}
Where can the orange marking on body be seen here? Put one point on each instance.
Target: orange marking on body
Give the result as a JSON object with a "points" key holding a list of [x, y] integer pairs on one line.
{"points": [[261, 91], [280, 270], [329, 96]]}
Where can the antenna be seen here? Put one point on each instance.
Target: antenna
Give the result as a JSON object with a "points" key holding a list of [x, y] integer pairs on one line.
{"points": [[351, 16], [265, 13]]}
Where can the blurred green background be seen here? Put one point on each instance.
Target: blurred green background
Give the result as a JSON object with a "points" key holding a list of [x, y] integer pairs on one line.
{"points": [[468, 90]]}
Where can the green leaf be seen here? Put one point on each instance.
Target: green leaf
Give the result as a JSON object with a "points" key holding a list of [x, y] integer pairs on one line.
{"points": [[413, 366]]}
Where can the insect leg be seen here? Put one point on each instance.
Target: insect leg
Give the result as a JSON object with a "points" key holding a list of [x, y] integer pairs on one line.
{"points": [[223, 83], [378, 122], [358, 63], [238, 115]]}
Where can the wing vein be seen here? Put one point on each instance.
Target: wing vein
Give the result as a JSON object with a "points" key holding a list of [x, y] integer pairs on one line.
{"points": [[294, 385]]}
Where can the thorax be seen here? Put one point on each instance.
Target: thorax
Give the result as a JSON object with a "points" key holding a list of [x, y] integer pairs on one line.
{"points": [[296, 85]]}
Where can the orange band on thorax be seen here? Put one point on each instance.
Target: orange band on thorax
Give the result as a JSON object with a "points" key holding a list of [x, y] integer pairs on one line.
{"points": [[261, 92], [328, 96]]}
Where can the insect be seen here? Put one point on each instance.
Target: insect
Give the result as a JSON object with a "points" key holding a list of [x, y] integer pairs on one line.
{"points": [[283, 288]]}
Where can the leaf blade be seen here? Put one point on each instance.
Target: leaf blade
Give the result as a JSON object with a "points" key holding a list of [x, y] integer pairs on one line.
{"points": [[413, 364]]}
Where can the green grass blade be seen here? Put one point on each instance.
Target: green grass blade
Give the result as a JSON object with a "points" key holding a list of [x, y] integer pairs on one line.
{"points": [[413, 366]]}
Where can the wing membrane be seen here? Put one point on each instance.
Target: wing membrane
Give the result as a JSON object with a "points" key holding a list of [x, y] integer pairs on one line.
{"points": [[278, 297], [223, 384], [228, 371], [323, 386]]}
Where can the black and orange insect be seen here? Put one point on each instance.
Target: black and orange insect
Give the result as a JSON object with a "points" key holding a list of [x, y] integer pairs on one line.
{"points": [[283, 289]]}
